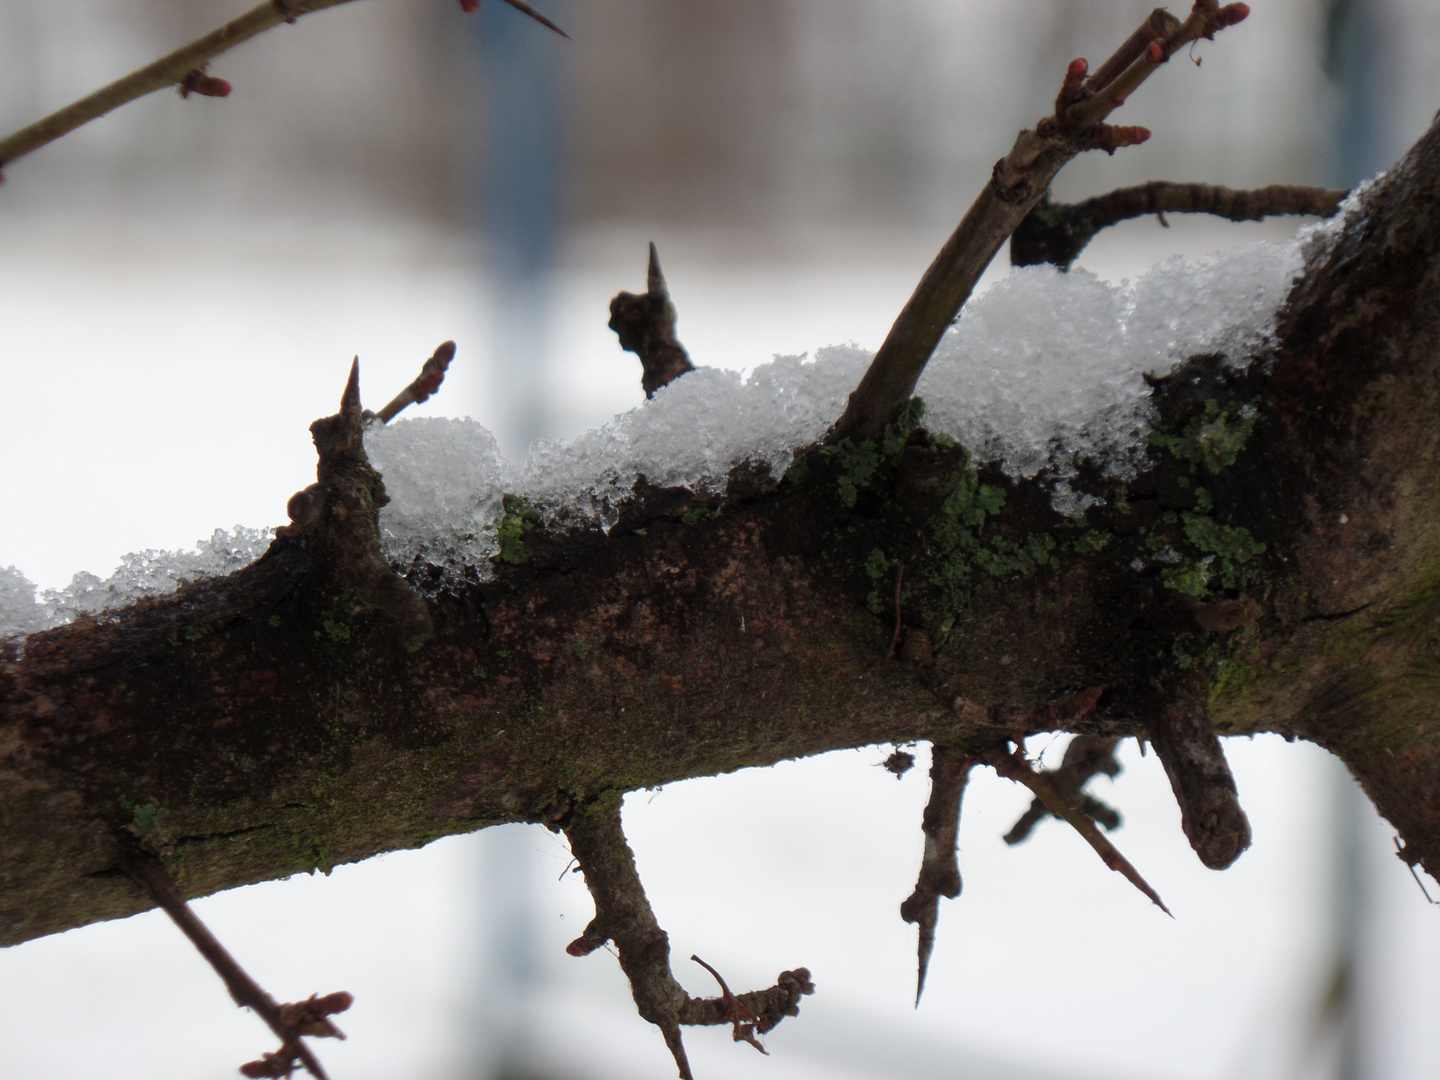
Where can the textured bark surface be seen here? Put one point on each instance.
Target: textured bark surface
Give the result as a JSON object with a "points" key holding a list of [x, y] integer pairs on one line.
{"points": [[271, 722]]}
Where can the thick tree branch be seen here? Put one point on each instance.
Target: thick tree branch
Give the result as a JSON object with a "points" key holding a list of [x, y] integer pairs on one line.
{"points": [[184, 68], [1057, 232]]}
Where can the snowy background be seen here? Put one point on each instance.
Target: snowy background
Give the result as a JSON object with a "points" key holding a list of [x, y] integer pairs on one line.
{"points": [[182, 287]]}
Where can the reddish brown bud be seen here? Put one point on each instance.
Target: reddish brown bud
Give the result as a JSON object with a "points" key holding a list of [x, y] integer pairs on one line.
{"points": [[337, 1002], [1231, 14], [584, 946], [1109, 138], [1079, 66], [469, 6], [269, 1066], [197, 82], [1155, 52]]}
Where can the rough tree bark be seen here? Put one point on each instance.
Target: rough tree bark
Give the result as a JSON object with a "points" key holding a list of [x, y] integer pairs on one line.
{"points": [[1276, 569]]}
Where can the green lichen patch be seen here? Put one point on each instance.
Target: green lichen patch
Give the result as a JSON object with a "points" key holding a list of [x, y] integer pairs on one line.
{"points": [[1211, 440], [518, 519]]}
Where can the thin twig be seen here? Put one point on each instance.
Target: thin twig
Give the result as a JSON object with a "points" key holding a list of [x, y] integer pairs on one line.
{"points": [[1018, 183], [175, 68], [1086, 756], [895, 639], [432, 374], [1057, 232], [1013, 766], [939, 870], [150, 874]]}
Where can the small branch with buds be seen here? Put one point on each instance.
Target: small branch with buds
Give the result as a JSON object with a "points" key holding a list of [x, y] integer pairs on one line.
{"points": [[645, 325], [184, 69], [1057, 232], [1018, 183], [289, 1022], [623, 915], [432, 374]]}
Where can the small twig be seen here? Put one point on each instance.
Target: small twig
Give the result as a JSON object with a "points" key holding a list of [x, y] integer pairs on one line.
{"points": [[1210, 811], [939, 870], [1057, 232], [289, 1022], [1018, 182], [432, 374], [183, 68], [1013, 766], [623, 915], [742, 1019], [1086, 756], [645, 325]]}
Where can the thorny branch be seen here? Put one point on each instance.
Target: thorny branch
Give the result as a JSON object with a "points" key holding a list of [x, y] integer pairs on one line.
{"points": [[341, 513], [1013, 766], [623, 915], [184, 69], [1018, 183], [939, 871], [1057, 232], [289, 1022], [1086, 756], [645, 325]]}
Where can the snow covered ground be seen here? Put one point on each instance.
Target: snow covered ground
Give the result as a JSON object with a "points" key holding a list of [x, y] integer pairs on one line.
{"points": [[160, 385]]}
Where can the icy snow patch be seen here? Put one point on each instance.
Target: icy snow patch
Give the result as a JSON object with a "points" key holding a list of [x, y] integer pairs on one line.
{"points": [[1043, 368], [140, 575]]}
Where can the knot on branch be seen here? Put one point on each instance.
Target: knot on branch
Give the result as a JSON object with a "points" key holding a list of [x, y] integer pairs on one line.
{"points": [[645, 325], [340, 516]]}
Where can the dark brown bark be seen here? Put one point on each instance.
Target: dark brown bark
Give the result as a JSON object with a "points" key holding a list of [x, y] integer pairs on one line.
{"points": [[266, 723]]}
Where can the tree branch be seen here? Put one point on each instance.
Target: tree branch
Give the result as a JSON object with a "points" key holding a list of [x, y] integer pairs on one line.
{"points": [[288, 1022], [1020, 180], [184, 68], [1057, 232], [623, 915]]}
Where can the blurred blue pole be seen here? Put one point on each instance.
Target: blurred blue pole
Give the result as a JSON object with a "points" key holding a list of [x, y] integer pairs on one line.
{"points": [[516, 193]]}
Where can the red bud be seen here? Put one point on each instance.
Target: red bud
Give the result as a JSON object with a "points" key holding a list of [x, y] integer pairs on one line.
{"points": [[1155, 52], [469, 6], [197, 82], [1231, 14], [1079, 66]]}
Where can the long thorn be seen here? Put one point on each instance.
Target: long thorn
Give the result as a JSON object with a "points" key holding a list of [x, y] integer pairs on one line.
{"points": [[1013, 766]]}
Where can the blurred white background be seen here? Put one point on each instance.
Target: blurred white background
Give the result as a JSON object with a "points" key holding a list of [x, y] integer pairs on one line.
{"points": [[182, 285]]}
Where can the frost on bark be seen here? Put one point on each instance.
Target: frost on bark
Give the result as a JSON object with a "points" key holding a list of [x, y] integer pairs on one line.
{"points": [[1274, 568]]}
